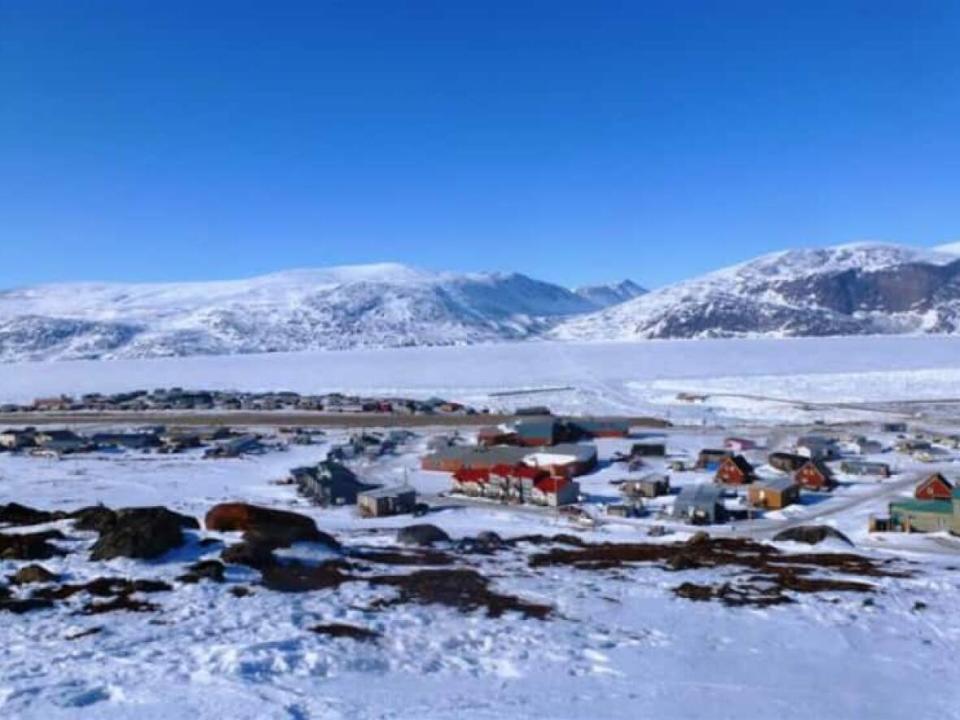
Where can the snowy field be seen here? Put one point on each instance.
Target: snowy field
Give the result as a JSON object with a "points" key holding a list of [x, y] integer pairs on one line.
{"points": [[618, 644], [596, 377]]}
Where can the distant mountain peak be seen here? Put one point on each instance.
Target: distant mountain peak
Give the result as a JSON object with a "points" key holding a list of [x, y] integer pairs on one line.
{"points": [[606, 295]]}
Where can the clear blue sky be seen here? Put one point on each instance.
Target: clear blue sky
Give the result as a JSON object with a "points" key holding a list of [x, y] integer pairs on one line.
{"points": [[151, 140]]}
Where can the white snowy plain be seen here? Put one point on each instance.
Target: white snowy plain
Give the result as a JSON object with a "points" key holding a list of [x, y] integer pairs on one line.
{"points": [[620, 645]]}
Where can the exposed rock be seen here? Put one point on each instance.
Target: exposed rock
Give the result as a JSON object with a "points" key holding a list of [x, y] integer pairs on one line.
{"points": [[251, 554], [486, 542], [145, 533], [465, 590], [84, 633], [204, 570], [30, 546], [303, 578], [811, 534], [18, 607], [342, 630], [33, 574], [102, 587], [423, 534], [266, 526], [240, 591], [95, 517], [17, 514]]}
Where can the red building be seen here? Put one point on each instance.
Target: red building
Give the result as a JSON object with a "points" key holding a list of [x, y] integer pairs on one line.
{"points": [[735, 470], [814, 475], [935, 487]]}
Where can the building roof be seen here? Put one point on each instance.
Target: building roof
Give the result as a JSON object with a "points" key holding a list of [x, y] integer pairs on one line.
{"points": [[778, 483], [388, 492], [702, 493], [939, 507]]}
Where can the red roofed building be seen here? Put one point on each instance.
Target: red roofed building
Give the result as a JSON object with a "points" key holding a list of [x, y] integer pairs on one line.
{"points": [[935, 487], [814, 475], [734, 471]]}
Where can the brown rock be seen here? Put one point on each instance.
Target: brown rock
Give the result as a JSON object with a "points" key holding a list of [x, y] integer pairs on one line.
{"points": [[33, 574], [266, 526]]}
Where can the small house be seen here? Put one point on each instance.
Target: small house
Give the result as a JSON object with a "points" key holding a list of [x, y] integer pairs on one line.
{"points": [[624, 510], [926, 515], [858, 467], [646, 487], [787, 462], [739, 444], [817, 447], [815, 475], [935, 487], [329, 483], [893, 427], [385, 501], [710, 459], [18, 439], [735, 470], [648, 448], [700, 504], [865, 446], [774, 494]]}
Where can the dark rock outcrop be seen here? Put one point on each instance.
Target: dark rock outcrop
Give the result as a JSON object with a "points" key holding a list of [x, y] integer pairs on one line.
{"points": [[144, 533], [17, 514], [30, 546], [204, 570], [811, 534], [30, 574], [423, 534]]}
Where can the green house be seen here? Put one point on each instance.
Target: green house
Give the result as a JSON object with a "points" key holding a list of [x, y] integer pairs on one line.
{"points": [[926, 515]]}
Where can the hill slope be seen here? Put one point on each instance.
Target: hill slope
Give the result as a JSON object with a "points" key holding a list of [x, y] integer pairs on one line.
{"points": [[383, 305], [846, 290]]}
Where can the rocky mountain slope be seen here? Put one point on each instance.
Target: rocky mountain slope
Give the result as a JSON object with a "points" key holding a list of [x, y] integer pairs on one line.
{"points": [[383, 305], [604, 296], [852, 289]]}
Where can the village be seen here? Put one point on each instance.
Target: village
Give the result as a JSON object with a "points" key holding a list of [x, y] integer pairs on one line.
{"points": [[591, 471], [180, 399], [582, 536]]}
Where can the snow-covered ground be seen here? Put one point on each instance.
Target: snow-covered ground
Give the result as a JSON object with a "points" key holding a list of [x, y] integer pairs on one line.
{"points": [[627, 377], [620, 643]]}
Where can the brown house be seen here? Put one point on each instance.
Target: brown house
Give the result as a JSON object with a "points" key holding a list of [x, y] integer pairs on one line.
{"points": [[773, 494], [815, 475], [734, 470], [935, 487]]}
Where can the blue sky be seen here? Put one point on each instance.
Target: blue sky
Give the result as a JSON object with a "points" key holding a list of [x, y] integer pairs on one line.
{"points": [[576, 142]]}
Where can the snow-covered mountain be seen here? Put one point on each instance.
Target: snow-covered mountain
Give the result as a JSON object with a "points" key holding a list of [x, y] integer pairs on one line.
{"points": [[864, 288], [358, 306], [604, 296]]}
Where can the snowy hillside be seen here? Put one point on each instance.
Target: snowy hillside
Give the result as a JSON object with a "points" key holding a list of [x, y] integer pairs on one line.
{"points": [[384, 305], [845, 290], [603, 296]]}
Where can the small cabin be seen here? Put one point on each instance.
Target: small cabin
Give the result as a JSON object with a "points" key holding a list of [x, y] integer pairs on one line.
{"points": [[735, 470], [815, 475]]}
